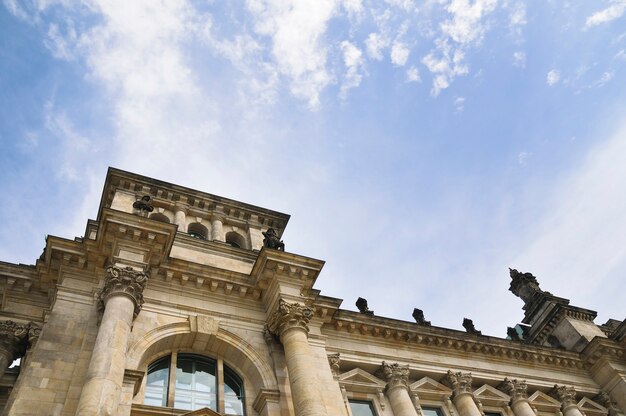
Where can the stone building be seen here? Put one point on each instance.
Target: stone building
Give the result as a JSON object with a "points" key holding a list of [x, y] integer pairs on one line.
{"points": [[179, 302]]}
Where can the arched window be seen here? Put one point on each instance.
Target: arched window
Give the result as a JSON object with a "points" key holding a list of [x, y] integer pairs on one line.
{"points": [[235, 239], [159, 217], [197, 230], [195, 384]]}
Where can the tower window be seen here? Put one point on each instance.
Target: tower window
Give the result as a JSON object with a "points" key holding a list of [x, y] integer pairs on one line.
{"points": [[235, 239], [159, 217], [198, 230]]}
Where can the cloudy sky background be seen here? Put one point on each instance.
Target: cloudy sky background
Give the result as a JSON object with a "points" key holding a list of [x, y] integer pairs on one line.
{"points": [[422, 148]]}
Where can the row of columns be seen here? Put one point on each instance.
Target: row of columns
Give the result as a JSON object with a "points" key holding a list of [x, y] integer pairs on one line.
{"points": [[217, 223]]}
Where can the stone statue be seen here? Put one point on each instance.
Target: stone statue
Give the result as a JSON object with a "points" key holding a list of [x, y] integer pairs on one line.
{"points": [[144, 205], [418, 315], [271, 240], [362, 305], [468, 324]]}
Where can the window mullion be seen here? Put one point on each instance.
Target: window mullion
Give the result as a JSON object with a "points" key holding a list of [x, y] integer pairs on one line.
{"points": [[171, 385], [221, 407]]}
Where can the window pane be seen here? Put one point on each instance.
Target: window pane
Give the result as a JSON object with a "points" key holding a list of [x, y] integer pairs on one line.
{"points": [[361, 408], [431, 411], [195, 383], [156, 383], [233, 393]]}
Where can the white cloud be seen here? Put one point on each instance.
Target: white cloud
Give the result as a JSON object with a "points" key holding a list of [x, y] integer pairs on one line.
{"points": [[374, 44], [603, 80], [614, 11], [553, 77], [446, 67], [522, 158], [353, 60], [459, 104], [620, 55], [466, 25], [519, 59], [518, 15], [61, 46], [296, 29], [399, 53], [406, 5], [413, 75]]}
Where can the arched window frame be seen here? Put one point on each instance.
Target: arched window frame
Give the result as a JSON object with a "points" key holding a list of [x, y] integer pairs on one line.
{"points": [[235, 239], [198, 230], [222, 369]]}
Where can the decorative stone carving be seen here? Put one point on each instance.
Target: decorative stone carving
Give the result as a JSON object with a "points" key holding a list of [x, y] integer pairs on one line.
{"points": [[396, 375], [271, 240], [361, 304], [289, 315], [334, 360], [468, 324], [13, 339], [125, 282], [516, 389], [418, 315], [605, 400], [144, 205], [565, 394], [523, 285], [34, 331], [460, 383]]}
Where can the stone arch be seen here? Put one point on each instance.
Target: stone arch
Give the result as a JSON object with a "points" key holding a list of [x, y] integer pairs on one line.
{"points": [[198, 230], [235, 239], [236, 351], [160, 217]]}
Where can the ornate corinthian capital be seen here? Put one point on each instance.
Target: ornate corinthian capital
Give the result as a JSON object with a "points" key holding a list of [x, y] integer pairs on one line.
{"points": [[13, 339], [125, 282], [516, 389], [288, 316], [565, 394], [460, 383], [396, 375]]}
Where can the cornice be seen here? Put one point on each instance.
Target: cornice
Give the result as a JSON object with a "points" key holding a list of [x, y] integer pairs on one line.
{"points": [[450, 340], [599, 348]]}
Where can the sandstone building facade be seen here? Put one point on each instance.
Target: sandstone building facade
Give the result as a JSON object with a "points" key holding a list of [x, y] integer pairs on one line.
{"points": [[179, 302]]}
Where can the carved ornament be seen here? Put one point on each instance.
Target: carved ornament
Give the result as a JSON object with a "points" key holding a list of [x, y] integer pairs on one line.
{"points": [[288, 316], [524, 285], [565, 394], [460, 383], [124, 281], [396, 375], [13, 339], [514, 388], [605, 400], [334, 360]]}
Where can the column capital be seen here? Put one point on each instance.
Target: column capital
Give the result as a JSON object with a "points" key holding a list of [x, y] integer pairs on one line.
{"points": [[565, 394], [288, 316], [123, 281], [460, 383], [396, 375], [334, 361], [13, 339], [514, 388]]}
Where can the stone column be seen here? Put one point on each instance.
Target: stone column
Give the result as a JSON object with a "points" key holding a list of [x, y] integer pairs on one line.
{"points": [[180, 217], [397, 389], [290, 323], [462, 396], [217, 230], [567, 396], [519, 396], [121, 298], [13, 343]]}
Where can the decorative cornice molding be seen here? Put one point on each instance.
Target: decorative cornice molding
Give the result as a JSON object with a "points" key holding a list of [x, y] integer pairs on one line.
{"points": [[605, 400], [460, 383], [514, 388], [288, 316], [396, 375], [125, 282], [565, 394]]}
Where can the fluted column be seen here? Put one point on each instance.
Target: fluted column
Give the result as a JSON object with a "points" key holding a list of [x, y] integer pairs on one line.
{"points": [[13, 342], [519, 396], [290, 323], [397, 389], [462, 396], [567, 396], [121, 298]]}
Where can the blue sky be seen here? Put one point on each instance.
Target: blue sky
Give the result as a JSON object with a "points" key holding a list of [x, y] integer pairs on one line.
{"points": [[421, 147]]}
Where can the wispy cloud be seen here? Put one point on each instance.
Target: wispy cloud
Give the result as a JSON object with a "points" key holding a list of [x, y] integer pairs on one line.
{"points": [[413, 75], [353, 60], [399, 53], [519, 59], [553, 77], [614, 11]]}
